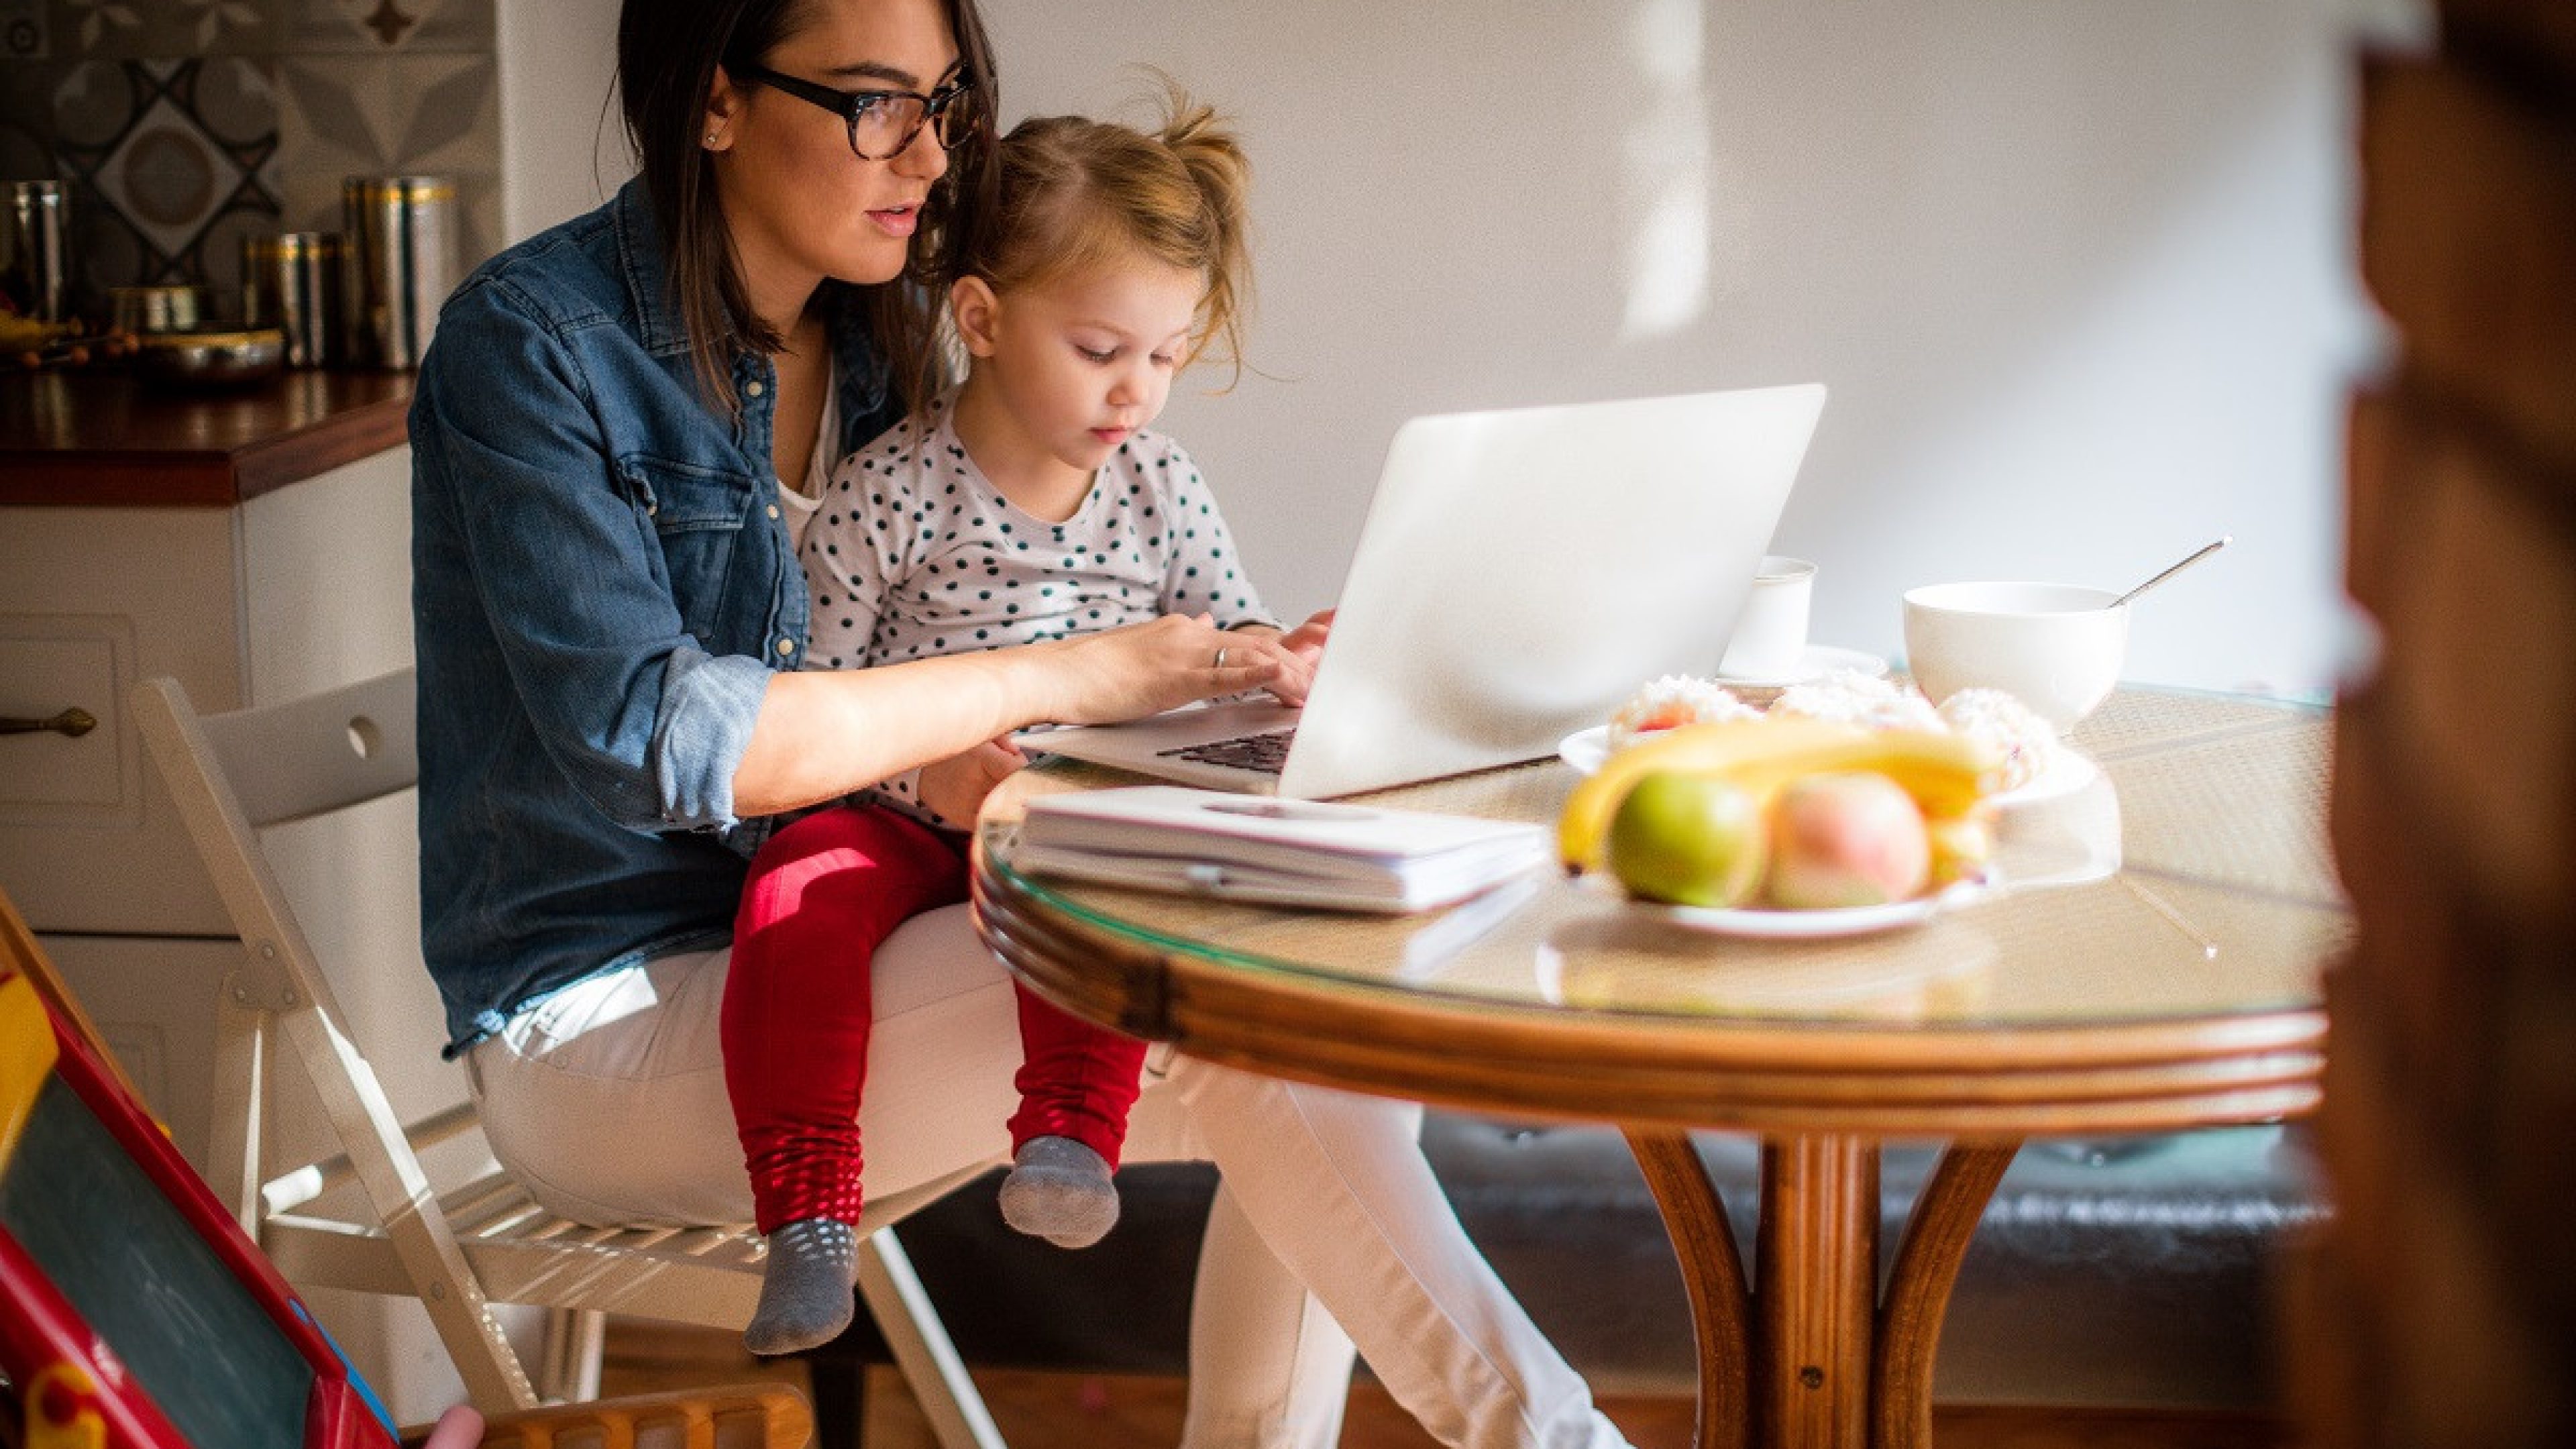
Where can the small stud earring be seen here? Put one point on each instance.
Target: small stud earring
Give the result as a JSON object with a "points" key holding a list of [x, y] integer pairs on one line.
{"points": [[711, 138]]}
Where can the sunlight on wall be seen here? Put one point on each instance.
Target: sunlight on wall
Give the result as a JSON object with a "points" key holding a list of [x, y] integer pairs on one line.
{"points": [[1664, 172]]}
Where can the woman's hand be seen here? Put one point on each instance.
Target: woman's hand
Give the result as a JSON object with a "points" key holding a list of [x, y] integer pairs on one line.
{"points": [[954, 788], [1143, 669]]}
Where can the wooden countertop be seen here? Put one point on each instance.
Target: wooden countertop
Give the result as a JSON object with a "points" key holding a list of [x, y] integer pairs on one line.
{"points": [[104, 439]]}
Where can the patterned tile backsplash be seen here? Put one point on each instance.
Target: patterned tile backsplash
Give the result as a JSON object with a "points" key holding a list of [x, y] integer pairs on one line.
{"points": [[179, 127]]}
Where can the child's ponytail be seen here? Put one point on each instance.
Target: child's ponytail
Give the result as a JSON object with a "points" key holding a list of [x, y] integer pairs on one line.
{"points": [[1216, 163]]}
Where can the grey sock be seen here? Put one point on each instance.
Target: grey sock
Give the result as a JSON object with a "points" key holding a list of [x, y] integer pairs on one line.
{"points": [[1060, 1190], [805, 1288]]}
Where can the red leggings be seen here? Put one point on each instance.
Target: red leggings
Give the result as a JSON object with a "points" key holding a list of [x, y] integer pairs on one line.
{"points": [[822, 894]]}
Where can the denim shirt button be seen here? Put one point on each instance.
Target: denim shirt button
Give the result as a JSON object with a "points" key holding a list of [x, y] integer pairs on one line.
{"points": [[753, 389], [773, 510], [786, 646]]}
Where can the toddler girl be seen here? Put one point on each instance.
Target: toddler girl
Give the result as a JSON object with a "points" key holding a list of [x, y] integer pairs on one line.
{"points": [[1027, 505]]}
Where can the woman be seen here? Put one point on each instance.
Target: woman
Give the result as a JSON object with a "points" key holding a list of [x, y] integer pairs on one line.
{"points": [[609, 616]]}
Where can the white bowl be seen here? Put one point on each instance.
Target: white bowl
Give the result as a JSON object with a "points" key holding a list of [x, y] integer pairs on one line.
{"points": [[2056, 647]]}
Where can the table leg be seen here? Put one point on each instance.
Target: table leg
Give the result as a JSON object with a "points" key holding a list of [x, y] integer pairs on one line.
{"points": [[1713, 1272], [1815, 1264], [1918, 1289]]}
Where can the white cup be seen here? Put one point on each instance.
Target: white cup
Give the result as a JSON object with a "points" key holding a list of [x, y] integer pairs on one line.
{"points": [[1771, 634]]}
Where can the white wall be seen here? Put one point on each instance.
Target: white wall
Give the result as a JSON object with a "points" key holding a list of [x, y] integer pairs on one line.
{"points": [[562, 151], [2075, 270]]}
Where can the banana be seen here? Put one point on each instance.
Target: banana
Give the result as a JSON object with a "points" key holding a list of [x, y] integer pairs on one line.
{"points": [[1945, 773]]}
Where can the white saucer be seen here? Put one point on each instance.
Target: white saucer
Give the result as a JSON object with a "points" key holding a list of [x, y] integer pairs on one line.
{"points": [[2069, 770], [1815, 663]]}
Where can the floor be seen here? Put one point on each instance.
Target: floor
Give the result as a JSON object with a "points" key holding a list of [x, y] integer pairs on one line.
{"points": [[1091, 1411]]}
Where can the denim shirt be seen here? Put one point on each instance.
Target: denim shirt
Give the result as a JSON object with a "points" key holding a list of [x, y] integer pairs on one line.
{"points": [[601, 589]]}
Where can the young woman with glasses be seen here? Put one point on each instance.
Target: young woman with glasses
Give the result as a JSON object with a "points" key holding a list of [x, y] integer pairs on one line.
{"points": [[607, 432]]}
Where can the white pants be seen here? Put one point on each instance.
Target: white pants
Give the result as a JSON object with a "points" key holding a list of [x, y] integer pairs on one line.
{"points": [[608, 1101]]}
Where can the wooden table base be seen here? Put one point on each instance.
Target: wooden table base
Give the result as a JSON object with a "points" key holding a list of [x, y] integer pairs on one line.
{"points": [[1814, 1359]]}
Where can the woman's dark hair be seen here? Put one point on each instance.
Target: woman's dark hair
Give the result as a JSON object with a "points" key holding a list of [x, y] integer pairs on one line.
{"points": [[667, 54]]}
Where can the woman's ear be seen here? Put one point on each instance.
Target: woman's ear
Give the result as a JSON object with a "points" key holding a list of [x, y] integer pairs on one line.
{"points": [[722, 100], [977, 310]]}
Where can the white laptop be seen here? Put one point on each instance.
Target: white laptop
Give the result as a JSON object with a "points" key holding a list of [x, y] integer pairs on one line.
{"points": [[1520, 574]]}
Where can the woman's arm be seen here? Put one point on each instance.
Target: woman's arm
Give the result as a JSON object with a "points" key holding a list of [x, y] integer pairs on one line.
{"points": [[824, 733]]}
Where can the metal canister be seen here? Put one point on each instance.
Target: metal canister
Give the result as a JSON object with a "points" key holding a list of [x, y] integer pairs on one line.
{"points": [[402, 237], [151, 310], [292, 282], [34, 267]]}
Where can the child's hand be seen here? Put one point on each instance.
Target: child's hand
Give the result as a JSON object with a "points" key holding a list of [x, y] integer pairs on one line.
{"points": [[1307, 639], [954, 788], [1296, 676]]}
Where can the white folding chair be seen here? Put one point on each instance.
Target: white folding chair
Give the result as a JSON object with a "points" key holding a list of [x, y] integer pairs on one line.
{"points": [[456, 1245]]}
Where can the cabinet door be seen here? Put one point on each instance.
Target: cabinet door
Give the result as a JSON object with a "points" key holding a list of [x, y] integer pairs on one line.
{"points": [[92, 600], [300, 589]]}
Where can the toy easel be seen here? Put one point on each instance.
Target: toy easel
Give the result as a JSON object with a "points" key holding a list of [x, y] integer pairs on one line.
{"points": [[134, 1314]]}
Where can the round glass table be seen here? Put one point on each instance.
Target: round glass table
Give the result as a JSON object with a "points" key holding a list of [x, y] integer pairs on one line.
{"points": [[2151, 961]]}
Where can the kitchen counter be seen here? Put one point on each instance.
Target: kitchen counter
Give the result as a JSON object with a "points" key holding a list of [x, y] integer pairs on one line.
{"points": [[105, 439]]}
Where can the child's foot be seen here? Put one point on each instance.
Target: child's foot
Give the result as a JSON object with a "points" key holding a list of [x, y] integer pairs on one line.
{"points": [[1060, 1190], [805, 1289]]}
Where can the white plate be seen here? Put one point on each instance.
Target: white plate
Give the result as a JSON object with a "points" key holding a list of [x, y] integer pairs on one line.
{"points": [[1818, 925], [1818, 661], [1585, 749]]}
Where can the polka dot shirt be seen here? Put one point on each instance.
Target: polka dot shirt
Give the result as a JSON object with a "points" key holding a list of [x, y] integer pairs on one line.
{"points": [[915, 554]]}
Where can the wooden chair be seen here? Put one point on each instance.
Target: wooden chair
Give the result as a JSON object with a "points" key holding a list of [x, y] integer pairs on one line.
{"points": [[475, 1238]]}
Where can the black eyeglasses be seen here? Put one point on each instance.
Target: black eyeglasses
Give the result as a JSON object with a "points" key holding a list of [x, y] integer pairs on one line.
{"points": [[881, 123]]}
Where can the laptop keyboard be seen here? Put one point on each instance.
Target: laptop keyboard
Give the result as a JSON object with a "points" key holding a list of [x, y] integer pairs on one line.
{"points": [[1265, 753]]}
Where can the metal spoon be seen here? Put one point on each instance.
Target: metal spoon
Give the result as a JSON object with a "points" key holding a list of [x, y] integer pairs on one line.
{"points": [[2204, 551]]}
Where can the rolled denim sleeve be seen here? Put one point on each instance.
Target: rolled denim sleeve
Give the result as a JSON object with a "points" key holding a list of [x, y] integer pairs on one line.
{"points": [[709, 704]]}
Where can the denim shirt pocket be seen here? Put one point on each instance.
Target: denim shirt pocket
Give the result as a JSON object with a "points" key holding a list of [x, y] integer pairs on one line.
{"points": [[698, 512]]}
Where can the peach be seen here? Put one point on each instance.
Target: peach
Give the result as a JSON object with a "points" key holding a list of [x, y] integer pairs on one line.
{"points": [[1852, 838]]}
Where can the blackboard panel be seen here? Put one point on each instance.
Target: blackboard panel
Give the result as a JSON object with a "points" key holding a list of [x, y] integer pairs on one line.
{"points": [[203, 1348]]}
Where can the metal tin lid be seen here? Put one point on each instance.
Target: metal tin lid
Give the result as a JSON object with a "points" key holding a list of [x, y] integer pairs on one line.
{"points": [[400, 188]]}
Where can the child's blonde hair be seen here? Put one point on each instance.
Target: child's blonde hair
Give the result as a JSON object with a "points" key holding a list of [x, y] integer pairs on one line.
{"points": [[1072, 194]]}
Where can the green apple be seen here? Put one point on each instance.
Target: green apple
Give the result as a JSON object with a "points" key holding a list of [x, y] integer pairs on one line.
{"points": [[1691, 839]]}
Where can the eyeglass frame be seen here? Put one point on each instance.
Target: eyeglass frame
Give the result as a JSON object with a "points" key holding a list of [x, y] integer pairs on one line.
{"points": [[851, 106]]}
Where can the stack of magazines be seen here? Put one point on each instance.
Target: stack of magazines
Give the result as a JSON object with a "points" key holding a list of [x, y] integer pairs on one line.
{"points": [[1286, 852]]}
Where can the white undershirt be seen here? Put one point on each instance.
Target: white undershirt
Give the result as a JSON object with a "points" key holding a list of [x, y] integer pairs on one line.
{"points": [[799, 504]]}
